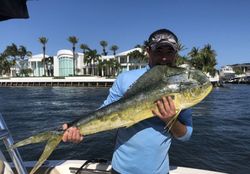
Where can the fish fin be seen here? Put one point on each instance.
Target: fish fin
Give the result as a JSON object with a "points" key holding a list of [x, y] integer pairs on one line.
{"points": [[152, 78], [170, 124], [53, 138], [50, 146], [129, 125], [44, 136]]}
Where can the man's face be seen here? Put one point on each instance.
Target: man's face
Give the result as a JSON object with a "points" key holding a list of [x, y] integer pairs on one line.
{"points": [[162, 55]]}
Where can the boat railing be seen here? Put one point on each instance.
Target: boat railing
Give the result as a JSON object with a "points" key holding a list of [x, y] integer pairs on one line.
{"points": [[6, 137]]}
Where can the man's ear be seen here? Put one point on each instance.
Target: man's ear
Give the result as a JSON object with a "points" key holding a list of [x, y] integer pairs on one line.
{"points": [[148, 49]]}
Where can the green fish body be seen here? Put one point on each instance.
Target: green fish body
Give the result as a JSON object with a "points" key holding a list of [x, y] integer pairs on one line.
{"points": [[187, 87]]}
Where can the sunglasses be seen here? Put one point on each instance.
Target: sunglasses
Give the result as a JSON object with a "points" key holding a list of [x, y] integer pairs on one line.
{"points": [[163, 48], [169, 38]]}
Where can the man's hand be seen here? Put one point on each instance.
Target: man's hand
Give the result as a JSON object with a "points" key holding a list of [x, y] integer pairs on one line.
{"points": [[71, 134], [165, 109]]}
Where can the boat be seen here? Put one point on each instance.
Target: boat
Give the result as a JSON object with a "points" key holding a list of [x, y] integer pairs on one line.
{"points": [[227, 73], [94, 166]]}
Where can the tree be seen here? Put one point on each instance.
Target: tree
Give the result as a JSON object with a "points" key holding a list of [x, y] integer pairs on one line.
{"points": [[74, 41], [43, 40], [180, 47], [204, 59], [84, 48], [114, 65], [5, 65], [14, 53], [100, 67], [26, 72], [182, 60], [209, 60], [105, 67], [92, 57], [22, 53], [104, 44], [11, 51], [137, 57], [194, 52], [114, 48], [195, 58]]}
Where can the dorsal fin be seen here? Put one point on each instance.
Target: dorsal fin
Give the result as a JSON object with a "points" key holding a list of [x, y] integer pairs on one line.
{"points": [[152, 77]]}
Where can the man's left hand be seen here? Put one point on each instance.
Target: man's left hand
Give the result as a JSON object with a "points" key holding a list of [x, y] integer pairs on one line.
{"points": [[165, 109]]}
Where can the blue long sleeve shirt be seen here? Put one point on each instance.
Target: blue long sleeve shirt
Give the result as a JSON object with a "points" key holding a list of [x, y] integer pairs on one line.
{"points": [[143, 147]]}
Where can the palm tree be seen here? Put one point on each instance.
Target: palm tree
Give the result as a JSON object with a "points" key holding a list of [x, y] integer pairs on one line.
{"points": [[12, 52], [180, 46], [196, 59], [100, 67], [194, 52], [22, 53], [204, 59], [104, 66], [108, 67], [43, 40], [73, 40], [182, 60], [114, 48], [5, 65], [92, 57], [115, 65], [104, 44], [137, 57], [209, 60], [84, 48]]}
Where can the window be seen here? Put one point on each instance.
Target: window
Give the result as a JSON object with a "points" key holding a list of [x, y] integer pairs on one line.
{"points": [[123, 59], [65, 66]]}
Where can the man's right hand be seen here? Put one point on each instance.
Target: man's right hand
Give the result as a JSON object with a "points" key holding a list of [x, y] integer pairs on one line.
{"points": [[71, 134]]}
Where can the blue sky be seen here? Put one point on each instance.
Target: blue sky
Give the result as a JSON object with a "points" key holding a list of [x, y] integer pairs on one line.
{"points": [[225, 24]]}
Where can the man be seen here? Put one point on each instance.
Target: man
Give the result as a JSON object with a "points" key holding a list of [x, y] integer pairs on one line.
{"points": [[143, 147]]}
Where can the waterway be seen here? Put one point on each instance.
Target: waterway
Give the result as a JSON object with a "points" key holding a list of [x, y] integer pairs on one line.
{"points": [[220, 139]]}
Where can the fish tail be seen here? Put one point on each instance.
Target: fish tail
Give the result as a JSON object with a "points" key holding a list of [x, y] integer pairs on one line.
{"points": [[50, 146], [41, 137], [53, 138]]}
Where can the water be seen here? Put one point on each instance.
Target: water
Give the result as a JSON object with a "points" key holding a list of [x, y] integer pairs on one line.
{"points": [[220, 141]]}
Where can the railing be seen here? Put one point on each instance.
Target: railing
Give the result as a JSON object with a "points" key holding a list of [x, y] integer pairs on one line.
{"points": [[13, 152]]}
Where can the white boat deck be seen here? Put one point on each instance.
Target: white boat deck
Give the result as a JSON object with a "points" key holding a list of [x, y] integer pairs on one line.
{"points": [[71, 166]]}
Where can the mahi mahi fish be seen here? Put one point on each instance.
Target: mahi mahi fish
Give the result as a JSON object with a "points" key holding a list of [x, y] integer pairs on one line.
{"points": [[187, 87]]}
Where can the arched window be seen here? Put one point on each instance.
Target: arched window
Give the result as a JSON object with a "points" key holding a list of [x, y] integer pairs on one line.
{"points": [[65, 66]]}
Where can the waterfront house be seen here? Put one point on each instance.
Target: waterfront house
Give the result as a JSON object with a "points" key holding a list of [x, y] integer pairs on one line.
{"points": [[62, 64], [36, 64]]}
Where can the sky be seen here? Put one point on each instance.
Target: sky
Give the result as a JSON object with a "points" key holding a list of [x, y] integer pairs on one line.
{"points": [[225, 24]]}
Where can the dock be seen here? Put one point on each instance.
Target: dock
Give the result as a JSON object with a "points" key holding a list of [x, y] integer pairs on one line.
{"points": [[81, 81]]}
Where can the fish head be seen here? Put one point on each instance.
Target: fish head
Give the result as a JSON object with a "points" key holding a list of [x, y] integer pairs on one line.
{"points": [[189, 86]]}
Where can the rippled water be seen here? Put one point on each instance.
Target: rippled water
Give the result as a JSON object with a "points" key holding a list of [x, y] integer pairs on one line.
{"points": [[220, 141]]}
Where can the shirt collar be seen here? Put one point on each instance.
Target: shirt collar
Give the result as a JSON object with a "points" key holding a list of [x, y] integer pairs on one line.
{"points": [[147, 67]]}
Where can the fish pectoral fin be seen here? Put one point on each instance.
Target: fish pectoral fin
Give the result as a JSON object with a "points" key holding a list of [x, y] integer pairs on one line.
{"points": [[170, 124], [53, 141], [129, 124]]}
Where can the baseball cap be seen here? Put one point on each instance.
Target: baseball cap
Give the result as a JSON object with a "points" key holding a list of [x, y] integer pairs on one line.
{"points": [[163, 37]]}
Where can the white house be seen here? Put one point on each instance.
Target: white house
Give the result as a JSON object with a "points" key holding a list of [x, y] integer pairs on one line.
{"points": [[64, 65], [36, 64]]}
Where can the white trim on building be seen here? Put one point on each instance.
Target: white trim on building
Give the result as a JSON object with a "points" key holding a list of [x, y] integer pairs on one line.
{"points": [[36, 64], [63, 63]]}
